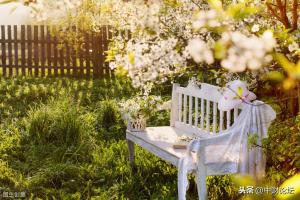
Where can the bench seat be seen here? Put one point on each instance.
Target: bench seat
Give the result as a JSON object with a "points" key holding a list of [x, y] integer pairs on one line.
{"points": [[160, 141]]}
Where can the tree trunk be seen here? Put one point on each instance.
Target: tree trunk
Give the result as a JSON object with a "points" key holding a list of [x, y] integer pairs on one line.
{"points": [[298, 96]]}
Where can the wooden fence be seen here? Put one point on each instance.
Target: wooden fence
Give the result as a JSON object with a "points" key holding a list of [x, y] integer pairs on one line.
{"points": [[33, 50]]}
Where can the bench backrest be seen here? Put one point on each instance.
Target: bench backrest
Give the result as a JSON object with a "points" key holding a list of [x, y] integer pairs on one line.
{"points": [[195, 109]]}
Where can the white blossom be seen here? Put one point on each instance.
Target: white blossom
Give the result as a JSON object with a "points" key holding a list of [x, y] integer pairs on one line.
{"points": [[293, 47], [255, 28], [247, 52], [206, 18], [200, 51]]}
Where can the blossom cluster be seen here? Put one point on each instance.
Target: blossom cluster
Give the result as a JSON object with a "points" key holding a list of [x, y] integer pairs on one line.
{"points": [[206, 18], [150, 61], [165, 35], [199, 51], [247, 52], [155, 51], [140, 106]]}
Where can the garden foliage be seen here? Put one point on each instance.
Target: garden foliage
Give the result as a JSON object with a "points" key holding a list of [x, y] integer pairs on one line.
{"points": [[57, 143]]}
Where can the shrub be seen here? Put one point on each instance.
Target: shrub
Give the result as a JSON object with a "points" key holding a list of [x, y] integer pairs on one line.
{"points": [[281, 149], [56, 131], [56, 122], [108, 120]]}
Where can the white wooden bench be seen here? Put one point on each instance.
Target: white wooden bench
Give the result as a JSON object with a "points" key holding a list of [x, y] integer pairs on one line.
{"points": [[194, 112]]}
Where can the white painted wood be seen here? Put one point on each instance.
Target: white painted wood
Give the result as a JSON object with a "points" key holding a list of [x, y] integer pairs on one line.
{"points": [[175, 106], [221, 120], [184, 108], [209, 92], [228, 118], [191, 110], [214, 117], [235, 113], [207, 116], [180, 107], [160, 140], [202, 114], [196, 112], [201, 177]]}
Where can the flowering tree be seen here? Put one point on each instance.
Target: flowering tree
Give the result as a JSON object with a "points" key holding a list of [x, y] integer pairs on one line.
{"points": [[173, 37]]}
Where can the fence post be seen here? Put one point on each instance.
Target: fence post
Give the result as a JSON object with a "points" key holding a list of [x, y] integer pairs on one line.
{"points": [[3, 50], [10, 55], [23, 60], [87, 54], [43, 50], [49, 52], [16, 49], [36, 52], [36, 59], [29, 49]]}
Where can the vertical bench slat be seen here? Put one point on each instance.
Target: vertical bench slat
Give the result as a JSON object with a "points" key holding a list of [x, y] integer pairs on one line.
{"points": [[174, 105], [190, 110], [184, 108], [235, 113], [228, 118], [196, 112], [180, 107], [221, 120], [214, 117], [202, 114], [207, 115]]}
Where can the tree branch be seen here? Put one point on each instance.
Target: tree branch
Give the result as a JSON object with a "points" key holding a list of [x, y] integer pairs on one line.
{"points": [[295, 15], [282, 16]]}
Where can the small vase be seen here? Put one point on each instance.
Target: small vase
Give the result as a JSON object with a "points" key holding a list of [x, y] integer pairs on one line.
{"points": [[137, 125]]}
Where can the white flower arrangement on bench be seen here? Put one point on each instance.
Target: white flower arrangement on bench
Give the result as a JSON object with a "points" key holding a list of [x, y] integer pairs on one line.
{"points": [[137, 110]]}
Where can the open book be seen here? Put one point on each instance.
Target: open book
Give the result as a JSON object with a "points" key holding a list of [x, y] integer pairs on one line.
{"points": [[182, 142]]}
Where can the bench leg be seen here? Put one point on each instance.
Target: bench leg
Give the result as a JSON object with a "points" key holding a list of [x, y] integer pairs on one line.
{"points": [[131, 152], [201, 184]]}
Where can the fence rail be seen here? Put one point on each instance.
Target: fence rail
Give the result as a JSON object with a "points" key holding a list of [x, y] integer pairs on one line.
{"points": [[33, 50]]}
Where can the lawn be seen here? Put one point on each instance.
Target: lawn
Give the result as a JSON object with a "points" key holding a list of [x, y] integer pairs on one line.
{"points": [[64, 138]]}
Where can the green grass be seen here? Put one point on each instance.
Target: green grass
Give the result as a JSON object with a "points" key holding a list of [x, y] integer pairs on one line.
{"points": [[64, 138]]}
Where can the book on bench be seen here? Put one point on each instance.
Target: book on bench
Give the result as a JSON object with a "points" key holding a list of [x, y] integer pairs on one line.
{"points": [[180, 144]]}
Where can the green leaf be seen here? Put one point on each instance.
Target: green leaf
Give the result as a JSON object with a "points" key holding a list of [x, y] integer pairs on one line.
{"points": [[240, 11], [275, 76], [131, 58], [215, 4], [240, 91], [285, 63], [220, 50]]}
